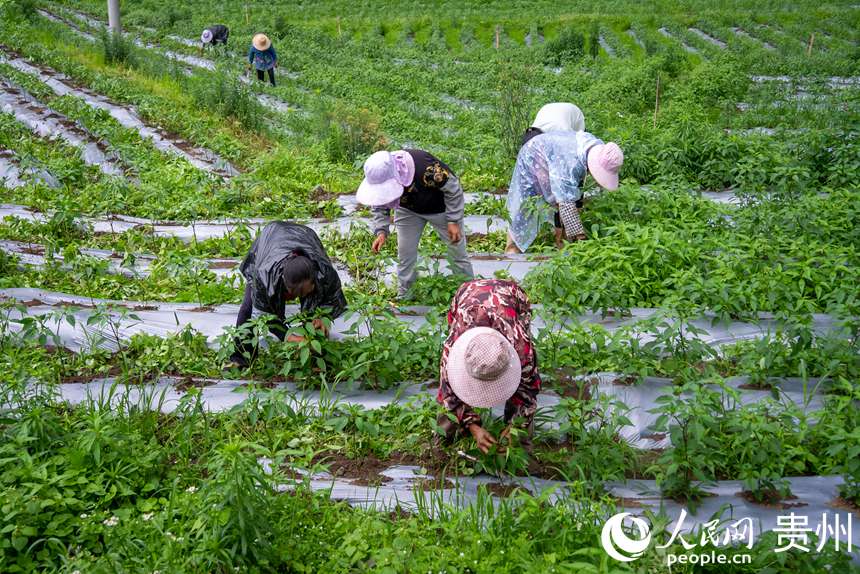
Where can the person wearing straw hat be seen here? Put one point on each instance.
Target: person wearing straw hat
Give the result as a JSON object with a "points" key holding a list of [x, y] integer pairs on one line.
{"points": [[558, 117], [214, 35], [488, 359], [421, 189], [262, 57], [549, 174]]}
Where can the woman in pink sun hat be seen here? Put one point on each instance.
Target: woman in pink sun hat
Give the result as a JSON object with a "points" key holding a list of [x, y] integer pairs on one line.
{"points": [[549, 174], [487, 360], [420, 189]]}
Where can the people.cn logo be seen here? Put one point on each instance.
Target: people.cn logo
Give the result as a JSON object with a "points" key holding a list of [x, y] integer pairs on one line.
{"points": [[618, 544]]}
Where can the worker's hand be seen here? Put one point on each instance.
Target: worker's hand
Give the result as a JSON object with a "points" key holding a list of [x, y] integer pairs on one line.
{"points": [[295, 339], [454, 233], [378, 243], [319, 325], [559, 238], [484, 439]]}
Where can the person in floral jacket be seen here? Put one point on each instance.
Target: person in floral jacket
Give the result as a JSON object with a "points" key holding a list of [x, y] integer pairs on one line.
{"points": [[488, 359]]}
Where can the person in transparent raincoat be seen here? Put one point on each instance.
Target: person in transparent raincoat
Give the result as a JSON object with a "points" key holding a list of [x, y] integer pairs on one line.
{"points": [[548, 175]]}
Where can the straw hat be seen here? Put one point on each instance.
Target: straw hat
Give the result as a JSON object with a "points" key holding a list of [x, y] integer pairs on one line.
{"points": [[261, 42], [483, 368], [604, 161]]}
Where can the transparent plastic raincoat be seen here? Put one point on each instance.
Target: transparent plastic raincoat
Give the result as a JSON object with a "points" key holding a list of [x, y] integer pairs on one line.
{"points": [[550, 170]]}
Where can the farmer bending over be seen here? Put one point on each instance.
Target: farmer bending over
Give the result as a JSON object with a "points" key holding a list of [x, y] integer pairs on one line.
{"points": [[548, 175], [558, 117], [287, 261], [214, 35], [488, 359], [421, 190], [262, 56]]}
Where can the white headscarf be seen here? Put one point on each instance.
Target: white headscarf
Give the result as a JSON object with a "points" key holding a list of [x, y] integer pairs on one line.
{"points": [[559, 117]]}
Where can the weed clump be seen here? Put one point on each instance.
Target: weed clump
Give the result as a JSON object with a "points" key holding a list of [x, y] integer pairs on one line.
{"points": [[347, 134], [117, 49], [569, 46]]}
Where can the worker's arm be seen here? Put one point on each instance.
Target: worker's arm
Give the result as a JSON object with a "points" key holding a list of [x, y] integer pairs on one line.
{"points": [[455, 204], [381, 222]]}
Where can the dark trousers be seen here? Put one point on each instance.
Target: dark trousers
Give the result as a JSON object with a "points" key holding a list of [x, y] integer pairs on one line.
{"points": [[243, 346], [261, 75]]}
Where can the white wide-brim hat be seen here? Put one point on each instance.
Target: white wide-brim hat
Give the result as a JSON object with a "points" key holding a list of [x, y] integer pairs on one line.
{"points": [[385, 176], [604, 161], [484, 369], [206, 36]]}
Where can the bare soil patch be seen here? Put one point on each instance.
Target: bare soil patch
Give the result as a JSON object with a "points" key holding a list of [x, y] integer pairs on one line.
{"points": [[772, 499]]}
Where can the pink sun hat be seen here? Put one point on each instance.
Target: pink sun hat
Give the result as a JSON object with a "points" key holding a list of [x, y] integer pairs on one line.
{"points": [[604, 161], [385, 176], [483, 368]]}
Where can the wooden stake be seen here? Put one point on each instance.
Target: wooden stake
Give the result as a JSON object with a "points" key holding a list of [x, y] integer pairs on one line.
{"points": [[811, 42], [498, 29], [247, 16], [657, 101], [338, 26]]}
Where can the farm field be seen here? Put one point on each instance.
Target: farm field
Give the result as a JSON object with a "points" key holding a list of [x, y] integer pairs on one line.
{"points": [[699, 352]]}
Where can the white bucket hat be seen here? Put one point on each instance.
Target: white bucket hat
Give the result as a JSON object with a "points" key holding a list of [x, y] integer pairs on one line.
{"points": [[483, 368], [604, 161], [206, 36], [385, 176]]}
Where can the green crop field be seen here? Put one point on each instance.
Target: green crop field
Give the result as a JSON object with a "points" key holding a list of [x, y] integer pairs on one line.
{"points": [[699, 352]]}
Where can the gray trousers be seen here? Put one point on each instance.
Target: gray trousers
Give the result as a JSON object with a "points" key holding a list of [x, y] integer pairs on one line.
{"points": [[410, 226]]}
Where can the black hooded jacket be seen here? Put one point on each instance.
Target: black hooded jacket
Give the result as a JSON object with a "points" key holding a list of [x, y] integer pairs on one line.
{"points": [[263, 269]]}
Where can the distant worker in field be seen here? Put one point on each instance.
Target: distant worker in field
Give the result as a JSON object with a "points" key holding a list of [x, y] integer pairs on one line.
{"points": [[488, 360], [558, 117], [549, 175], [421, 189], [287, 261], [214, 35], [262, 56]]}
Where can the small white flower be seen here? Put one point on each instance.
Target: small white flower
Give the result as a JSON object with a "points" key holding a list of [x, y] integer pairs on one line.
{"points": [[112, 521], [170, 535], [156, 572], [191, 489], [147, 516], [76, 572], [84, 516]]}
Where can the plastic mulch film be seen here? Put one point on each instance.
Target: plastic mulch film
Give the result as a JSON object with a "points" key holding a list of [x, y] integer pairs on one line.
{"points": [[47, 123], [638, 401], [126, 116], [404, 487], [515, 266], [164, 319], [209, 229], [13, 174]]}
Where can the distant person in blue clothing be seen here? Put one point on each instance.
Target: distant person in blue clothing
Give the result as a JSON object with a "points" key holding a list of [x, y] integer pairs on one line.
{"points": [[262, 56]]}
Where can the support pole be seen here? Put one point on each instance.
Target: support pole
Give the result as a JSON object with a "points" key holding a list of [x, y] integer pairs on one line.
{"points": [[113, 17]]}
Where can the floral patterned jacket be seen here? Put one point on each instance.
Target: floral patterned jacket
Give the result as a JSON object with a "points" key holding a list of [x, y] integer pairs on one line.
{"points": [[503, 306]]}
